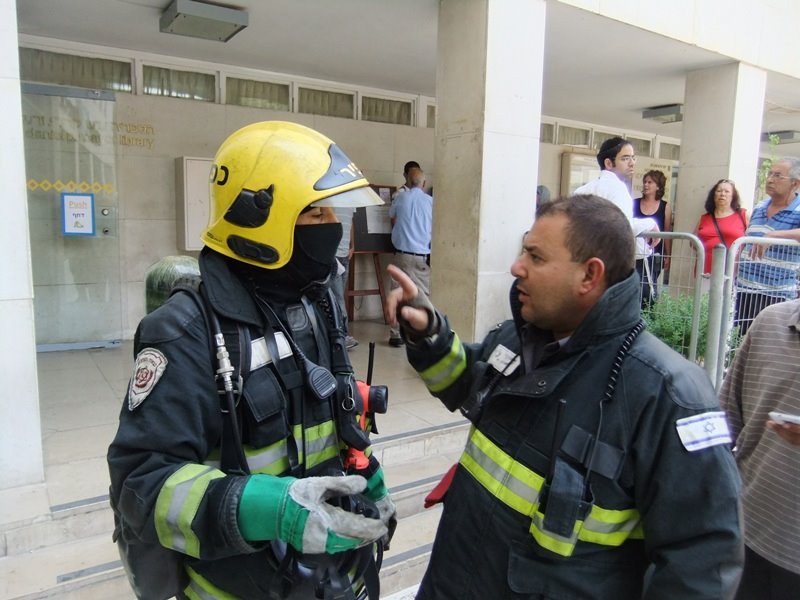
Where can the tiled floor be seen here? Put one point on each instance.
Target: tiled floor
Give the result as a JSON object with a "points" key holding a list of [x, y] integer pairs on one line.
{"points": [[81, 394]]}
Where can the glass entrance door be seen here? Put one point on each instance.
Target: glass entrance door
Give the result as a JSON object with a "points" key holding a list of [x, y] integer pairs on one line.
{"points": [[70, 167]]}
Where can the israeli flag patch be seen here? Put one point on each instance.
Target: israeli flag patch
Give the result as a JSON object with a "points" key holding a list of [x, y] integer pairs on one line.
{"points": [[703, 431]]}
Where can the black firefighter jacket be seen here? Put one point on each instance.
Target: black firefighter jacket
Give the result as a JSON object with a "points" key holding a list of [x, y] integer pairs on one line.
{"points": [[164, 460], [659, 504]]}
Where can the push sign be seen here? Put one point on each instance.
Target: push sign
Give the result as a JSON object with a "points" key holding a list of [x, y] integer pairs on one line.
{"points": [[77, 214]]}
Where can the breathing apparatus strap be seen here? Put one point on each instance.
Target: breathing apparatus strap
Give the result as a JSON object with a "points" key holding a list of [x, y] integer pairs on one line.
{"points": [[348, 403], [232, 457], [332, 573]]}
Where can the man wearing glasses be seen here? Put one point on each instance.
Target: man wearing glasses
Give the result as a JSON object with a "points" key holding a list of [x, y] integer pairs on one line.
{"points": [[617, 161], [768, 274]]}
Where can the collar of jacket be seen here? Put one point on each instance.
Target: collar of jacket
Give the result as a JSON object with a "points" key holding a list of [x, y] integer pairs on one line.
{"points": [[615, 313], [229, 297]]}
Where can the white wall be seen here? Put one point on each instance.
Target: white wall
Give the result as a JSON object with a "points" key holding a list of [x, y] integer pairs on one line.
{"points": [[752, 32], [20, 432]]}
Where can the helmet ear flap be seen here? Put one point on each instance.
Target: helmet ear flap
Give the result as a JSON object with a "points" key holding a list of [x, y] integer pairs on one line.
{"points": [[250, 209]]}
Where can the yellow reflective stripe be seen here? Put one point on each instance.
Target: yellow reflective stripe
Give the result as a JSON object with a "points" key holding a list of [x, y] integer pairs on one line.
{"points": [[510, 482], [321, 443], [297, 434], [269, 460], [448, 369], [177, 504], [611, 527], [555, 543], [518, 487], [200, 588]]}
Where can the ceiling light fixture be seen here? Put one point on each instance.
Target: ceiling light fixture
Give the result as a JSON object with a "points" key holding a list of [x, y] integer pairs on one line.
{"points": [[666, 113], [202, 20], [788, 136]]}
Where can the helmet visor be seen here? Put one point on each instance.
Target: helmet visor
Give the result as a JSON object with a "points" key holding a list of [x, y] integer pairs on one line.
{"points": [[363, 196]]}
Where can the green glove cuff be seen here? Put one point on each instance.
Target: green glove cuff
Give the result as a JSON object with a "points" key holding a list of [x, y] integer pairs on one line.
{"points": [[261, 507], [376, 486], [293, 523]]}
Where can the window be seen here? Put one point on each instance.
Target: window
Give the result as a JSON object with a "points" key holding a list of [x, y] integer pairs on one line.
{"points": [[601, 136], [547, 133], [573, 136], [159, 81], [79, 71], [431, 112], [382, 110], [640, 147], [669, 151], [320, 102], [257, 94]]}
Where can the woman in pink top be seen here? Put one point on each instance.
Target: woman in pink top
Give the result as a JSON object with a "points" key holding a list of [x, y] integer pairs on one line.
{"points": [[724, 221]]}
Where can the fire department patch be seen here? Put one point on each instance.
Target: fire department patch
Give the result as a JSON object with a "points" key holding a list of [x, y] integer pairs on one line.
{"points": [[150, 366]]}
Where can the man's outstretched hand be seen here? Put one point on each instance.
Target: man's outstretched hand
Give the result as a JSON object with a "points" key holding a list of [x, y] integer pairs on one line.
{"points": [[405, 297]]}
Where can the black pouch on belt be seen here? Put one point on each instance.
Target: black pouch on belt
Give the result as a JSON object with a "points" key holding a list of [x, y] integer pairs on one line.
{"points": [[563, 499]]}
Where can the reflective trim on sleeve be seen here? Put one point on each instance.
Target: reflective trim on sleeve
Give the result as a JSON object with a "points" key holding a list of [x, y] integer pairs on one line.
{"points": [[519, 488], [177, 505], [442, 375]]}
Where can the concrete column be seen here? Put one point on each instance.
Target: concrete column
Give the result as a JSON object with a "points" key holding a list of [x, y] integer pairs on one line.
{"points": [[723, 110], [489, 94], [20, 430]]}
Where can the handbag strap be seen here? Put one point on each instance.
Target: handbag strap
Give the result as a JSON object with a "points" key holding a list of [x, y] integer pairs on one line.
{"points": [[719, 231]]}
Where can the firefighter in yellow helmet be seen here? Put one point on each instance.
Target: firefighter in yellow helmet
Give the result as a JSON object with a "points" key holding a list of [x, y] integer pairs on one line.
{"points": [[230, 470]]}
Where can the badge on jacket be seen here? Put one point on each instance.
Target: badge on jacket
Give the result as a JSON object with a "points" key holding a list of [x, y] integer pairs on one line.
{"points": [[504, 360], [150, 366]]}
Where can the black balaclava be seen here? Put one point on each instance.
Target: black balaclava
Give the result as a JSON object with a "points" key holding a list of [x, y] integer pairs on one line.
{"points": [[309, 270]]}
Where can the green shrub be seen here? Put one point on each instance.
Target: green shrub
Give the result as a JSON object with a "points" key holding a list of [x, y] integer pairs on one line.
{"points": [[670, 319]]}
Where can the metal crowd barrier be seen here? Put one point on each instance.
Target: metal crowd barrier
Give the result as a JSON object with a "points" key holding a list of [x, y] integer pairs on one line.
{"points": [[778, 263], [684, 278]]}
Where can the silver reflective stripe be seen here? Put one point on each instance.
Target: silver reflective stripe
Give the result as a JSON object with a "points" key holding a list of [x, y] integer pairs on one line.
{"points": [[259, 355], [180, 494], [260, 460], [524, 490], [318, 445]]}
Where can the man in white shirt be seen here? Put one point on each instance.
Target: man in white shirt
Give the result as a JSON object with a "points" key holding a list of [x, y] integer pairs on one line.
{"points": [[617, 160]]}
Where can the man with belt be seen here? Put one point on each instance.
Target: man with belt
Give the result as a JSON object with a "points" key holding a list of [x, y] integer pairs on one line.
{"points": [[411, 213], [599, 462]]}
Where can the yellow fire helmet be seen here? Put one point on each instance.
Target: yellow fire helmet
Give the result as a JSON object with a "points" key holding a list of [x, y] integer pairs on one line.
{"points": [[264, 175]]}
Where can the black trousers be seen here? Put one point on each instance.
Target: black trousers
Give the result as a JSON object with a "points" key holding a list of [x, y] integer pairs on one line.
{"points": [[763, 580]]}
